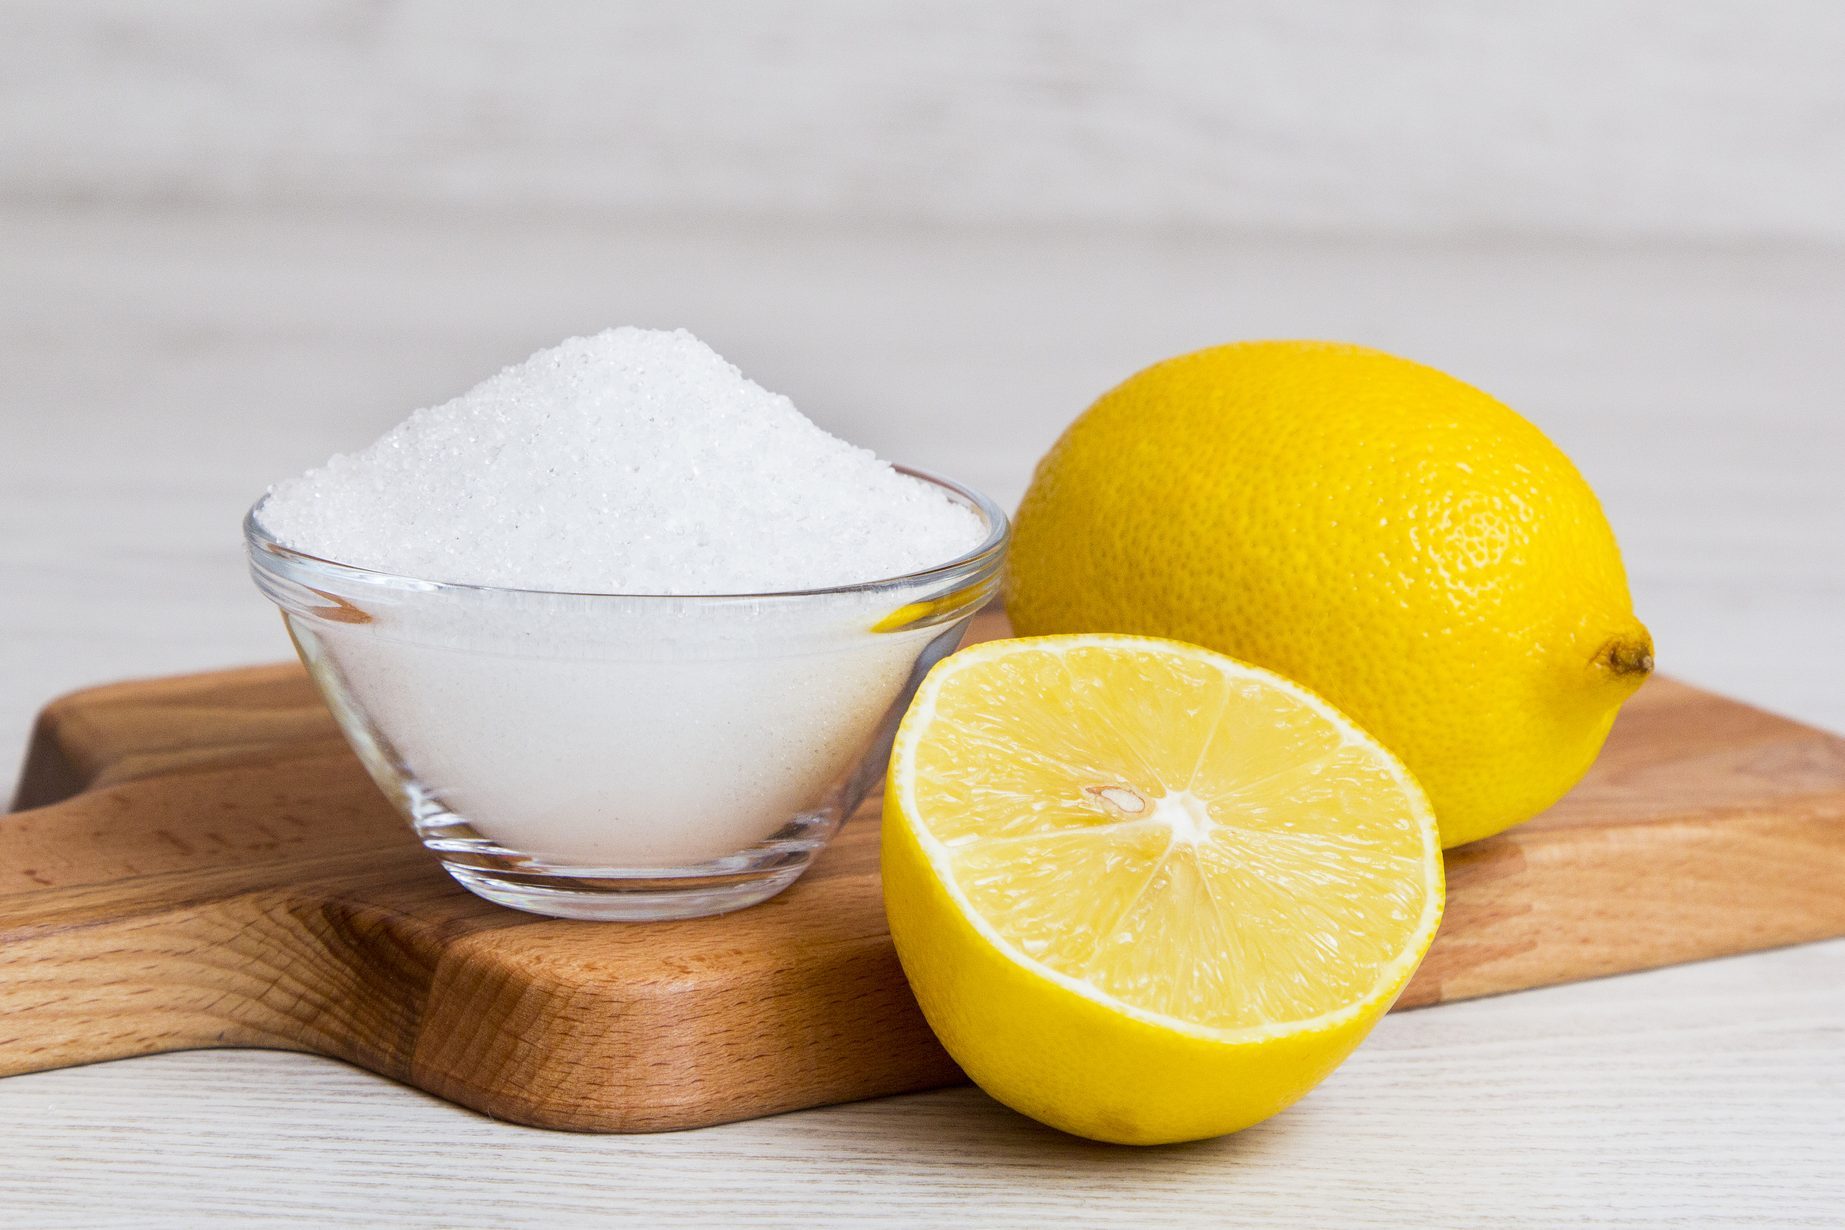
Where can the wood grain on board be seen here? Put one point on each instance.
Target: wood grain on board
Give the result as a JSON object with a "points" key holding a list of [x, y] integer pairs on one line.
{"points": [[200, 862]]}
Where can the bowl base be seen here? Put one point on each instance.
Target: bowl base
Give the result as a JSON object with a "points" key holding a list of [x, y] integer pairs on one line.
{"points": [[624, 900], [556, 889]]}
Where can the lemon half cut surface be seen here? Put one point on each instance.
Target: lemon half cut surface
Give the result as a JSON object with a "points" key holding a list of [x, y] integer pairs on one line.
{"points": [[1145, 892]]}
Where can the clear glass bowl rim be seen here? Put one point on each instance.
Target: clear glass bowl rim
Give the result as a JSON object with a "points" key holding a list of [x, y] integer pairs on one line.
{"points": [[267, 553]]}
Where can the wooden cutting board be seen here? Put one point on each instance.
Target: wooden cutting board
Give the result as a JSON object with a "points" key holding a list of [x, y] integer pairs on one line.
{"points": [[200, 862]]}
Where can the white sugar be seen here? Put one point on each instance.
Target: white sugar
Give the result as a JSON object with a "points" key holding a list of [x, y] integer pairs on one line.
{"points": [[636, 461]]}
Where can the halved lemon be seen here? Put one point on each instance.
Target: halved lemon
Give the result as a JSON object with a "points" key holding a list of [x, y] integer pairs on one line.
{"points": [[1145, 892]]}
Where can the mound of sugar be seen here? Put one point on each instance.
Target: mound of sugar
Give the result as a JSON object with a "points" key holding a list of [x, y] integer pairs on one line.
{"points": [[636, 461]]}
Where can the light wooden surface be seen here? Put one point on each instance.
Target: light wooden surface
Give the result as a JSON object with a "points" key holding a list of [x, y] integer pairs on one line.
{"points": [[159, 366], [1713, 118], [200, 862], [1698, 1096]]}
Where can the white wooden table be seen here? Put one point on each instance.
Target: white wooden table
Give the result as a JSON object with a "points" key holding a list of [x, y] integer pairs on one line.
{"points": [[156, 370]]}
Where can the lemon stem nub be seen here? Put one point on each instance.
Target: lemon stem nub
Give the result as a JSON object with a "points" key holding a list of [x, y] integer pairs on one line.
{"points": [[1628, 657]]}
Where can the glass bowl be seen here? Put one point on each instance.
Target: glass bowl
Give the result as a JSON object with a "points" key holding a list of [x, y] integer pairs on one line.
{"points": [[623, 756]]}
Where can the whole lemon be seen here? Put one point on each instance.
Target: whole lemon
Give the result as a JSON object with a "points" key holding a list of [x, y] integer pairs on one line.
{"points": [[1385, 534]]}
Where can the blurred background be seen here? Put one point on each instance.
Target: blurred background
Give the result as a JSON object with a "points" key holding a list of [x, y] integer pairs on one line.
{"points": [[238, 237]]}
